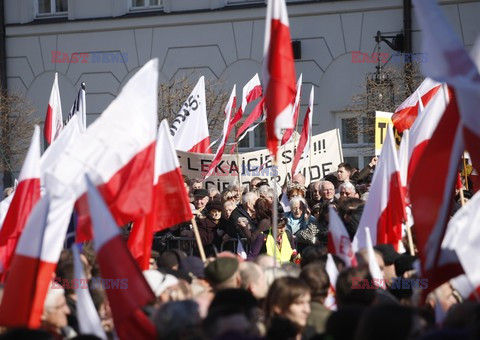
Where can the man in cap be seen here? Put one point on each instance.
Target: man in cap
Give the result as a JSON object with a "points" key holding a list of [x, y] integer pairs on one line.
{"points": [[200, 199], [223, 273]]}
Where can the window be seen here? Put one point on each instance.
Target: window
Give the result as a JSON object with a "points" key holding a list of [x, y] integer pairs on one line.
{"points": [[145, 4], [255, 139], [51, 7], [357, 137]]}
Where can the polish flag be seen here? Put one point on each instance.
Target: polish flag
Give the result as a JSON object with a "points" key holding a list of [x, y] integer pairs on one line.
{"points": [[251, 91], [431, 193], [450, 62], [87, 316], [423, 128], [278, 73], [303, 148], [26, 196], [407, 112], [287, 135], [31, 271], [190, 127], [247, 126], [169, 191], [226, 130], [461, 239], [332, 272], [4, 206], [119, 268], [54, 117], [117, 152], [339, 241], [384, 211]]}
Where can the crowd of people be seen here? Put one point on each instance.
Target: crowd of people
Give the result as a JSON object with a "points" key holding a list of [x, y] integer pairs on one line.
{"points": [[257, 284]]}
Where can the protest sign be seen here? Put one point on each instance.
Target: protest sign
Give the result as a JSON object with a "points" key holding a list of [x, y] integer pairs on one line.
{"points": [[325, 154]]}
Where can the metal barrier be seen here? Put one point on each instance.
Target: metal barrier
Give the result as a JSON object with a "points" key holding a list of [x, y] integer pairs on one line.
{"points": [[189, 244], [246, 245]]}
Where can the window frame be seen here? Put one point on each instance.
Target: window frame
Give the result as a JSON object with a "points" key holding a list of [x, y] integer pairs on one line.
{"points": [[53, 10], [146, 7], [361, 150]]}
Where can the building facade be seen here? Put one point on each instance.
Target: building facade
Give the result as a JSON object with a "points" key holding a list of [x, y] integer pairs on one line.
{"points": [[104, 42]]}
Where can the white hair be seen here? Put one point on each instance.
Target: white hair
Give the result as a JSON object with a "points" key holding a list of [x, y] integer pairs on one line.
{"points": [[348, 186], [298, 199], [249, 196], [55, 290]]}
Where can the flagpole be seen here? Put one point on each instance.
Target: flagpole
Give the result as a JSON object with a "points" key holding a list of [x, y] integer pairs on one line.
{"points": [[275, 215], [464, 173], [238, 166], [410, 240], [199, 240]]}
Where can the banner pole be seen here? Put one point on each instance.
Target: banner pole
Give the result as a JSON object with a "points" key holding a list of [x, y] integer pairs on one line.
{"points": [[199, 240], [410, 240], [275, 215], [239, 167], [464, 173]]}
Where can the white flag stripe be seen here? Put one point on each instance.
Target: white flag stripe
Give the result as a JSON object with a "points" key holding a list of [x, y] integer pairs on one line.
{"points": [[30, 167], [104, 226], [372, 259], [166, 159]]}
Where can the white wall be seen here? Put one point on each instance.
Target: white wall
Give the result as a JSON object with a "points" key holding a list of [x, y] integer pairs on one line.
{"points": [[225, 44]]}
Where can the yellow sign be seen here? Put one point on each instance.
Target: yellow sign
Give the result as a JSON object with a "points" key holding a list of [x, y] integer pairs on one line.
{"points": [[382, 119]]}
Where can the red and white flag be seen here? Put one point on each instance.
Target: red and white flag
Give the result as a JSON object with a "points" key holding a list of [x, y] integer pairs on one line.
{"points": [[227, 127], [129, 291], [332, 272], [251, 91], [384, 211], [278, 73], [431, 191], [422, 130], [339, 241], [169, 191], [190, 126], [303, 148], [450, 62], [117, 152], [247, 126], [26, 196], [87, 315], [31, 271], [287, 135], [54, 117], [408, 111], [462, 238]]}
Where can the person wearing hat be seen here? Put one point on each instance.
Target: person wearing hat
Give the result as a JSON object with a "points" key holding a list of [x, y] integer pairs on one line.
{"points": [[222, 273], [208, 228], [200, 199]]}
